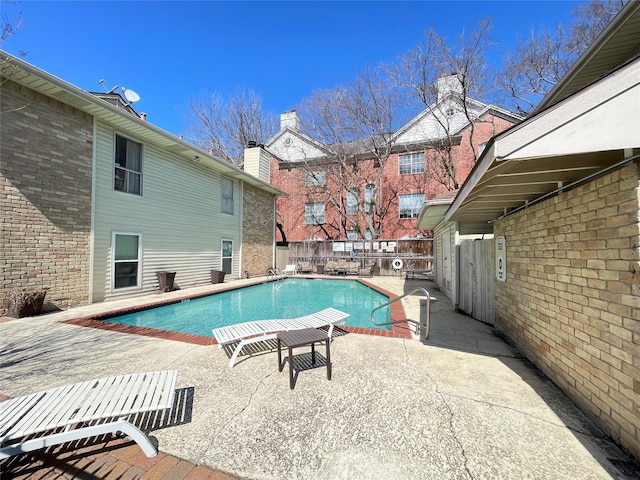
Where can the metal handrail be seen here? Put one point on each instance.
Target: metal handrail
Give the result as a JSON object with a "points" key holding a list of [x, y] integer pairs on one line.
{"points": [[274, 272], [417, 323]]}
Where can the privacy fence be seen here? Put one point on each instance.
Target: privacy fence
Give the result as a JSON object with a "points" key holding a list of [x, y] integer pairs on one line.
{"points": [[388, 256]]}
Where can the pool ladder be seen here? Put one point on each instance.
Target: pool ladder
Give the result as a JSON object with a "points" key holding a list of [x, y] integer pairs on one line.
{"points": [[415, 322]]}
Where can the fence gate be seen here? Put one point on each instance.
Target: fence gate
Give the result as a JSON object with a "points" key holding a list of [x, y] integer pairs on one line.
{"points": [[476, 276]]}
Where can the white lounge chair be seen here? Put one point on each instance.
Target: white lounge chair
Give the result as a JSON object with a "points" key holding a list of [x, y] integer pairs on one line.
{"points": [[94, 407], [290, 270], [261, 330]]}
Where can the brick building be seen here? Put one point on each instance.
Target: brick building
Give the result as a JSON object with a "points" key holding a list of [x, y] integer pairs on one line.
{"points": [[343, 193], [561, 192], [96, 201]]}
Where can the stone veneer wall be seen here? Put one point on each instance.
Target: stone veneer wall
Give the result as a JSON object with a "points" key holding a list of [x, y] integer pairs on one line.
{"points": [[571, 300], [258, 231], [45, 166]]}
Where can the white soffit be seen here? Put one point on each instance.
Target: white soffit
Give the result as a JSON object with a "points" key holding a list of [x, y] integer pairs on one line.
{"points": [[432, 215], [577, 137]]}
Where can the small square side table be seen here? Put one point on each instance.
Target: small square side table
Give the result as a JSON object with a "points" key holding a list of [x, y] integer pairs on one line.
{"points": [[300, 338]]}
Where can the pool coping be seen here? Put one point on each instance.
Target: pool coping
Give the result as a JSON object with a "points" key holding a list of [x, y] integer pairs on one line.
{"points": [[398, 330]]}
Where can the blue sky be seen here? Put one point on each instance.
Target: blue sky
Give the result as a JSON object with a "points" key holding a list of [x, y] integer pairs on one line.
{"points": [[169, 51]]}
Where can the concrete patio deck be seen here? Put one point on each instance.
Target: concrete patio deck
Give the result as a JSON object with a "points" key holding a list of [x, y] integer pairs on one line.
{"points": [[463, 404]]}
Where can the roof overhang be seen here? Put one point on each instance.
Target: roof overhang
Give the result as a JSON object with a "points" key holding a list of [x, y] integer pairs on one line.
{"points": [[618, 42], [432, 213], [32, 77], [573, 140]]}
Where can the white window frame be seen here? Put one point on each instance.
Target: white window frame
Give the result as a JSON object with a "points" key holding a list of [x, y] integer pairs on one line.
{"points": [[369, 194], [312, 216], [114, 261], [228, 258], [352, 203], [352, 235], [226, 202], [414, 208], [122, 174], [411, 163], [314, 178]]}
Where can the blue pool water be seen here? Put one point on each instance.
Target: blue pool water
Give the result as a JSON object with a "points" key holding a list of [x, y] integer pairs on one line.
{"points": [[288, 298]]}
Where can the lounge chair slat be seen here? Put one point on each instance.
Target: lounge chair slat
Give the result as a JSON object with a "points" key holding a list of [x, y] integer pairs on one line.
{"points": [[262, 330], [107, 401], [52, 410]]}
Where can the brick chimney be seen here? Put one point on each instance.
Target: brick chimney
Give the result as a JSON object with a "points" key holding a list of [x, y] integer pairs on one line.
{"points": [[290, 120], [257, 162], [449, 84]]}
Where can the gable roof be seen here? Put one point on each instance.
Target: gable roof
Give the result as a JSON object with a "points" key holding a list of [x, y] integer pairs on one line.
{"points": [[587, 124], [479, 108], [32, 77], [276, 145], [567, 143]]}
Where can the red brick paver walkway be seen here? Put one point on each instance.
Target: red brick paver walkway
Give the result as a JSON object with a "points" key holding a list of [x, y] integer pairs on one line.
{"points": [[112, 459]]}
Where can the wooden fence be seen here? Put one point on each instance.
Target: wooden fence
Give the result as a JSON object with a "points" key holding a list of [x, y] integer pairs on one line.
{"points": [[384, 254], [476, 273]]}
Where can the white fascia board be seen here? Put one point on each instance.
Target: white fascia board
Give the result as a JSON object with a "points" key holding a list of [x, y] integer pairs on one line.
{"points": [[602, 117], [484, 163]]}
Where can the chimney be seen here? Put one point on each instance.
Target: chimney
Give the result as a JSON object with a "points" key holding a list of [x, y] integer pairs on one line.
{"points": [[290, 120], [257, 161], [449, 84]]}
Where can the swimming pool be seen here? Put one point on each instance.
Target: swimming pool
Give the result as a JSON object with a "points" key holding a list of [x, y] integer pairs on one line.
{"points": [[288, 298]]}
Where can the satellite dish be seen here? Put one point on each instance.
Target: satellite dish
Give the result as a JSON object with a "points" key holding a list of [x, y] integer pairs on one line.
{"points": [[130, 95]]}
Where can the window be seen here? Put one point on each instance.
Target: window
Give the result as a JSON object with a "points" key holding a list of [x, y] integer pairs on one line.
{"points": [[369, 197], [450, 112], [411, 163], [314, 213], [126, 260], [352, 235], [227, 256], [314, 178], [481, 147], [227, 196], [410, 205], [352, 203], [128, 166]]}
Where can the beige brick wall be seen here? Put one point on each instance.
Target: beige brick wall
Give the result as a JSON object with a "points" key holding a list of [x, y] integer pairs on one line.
{"points": [[571, 301], [258, 230], [45, 178]]}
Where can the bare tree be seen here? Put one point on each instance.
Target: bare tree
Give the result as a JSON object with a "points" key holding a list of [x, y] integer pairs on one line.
{"points": [[10, 22], [355, 121], [443, 77], [542, 59], [225, 126]]}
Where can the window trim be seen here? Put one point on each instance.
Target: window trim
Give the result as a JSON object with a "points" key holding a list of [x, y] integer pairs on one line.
{"points": [[306, 215], [138, 285], [315, 178], [222, 197], [369, 194], [415, 210], [352, 207], [222, 257], [412, 163], [125, 169]]}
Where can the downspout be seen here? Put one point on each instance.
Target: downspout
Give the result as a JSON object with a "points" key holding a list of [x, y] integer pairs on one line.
{"points": [[92, 238], [241, 266], [274, 242]]}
